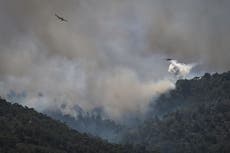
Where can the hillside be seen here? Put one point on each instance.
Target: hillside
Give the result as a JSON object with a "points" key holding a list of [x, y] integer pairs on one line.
{"points": [[91, 124], [193, 118], [191, 93], [23, 130]]}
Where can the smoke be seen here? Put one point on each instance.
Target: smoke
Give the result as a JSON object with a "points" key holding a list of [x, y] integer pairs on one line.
{"points": [[109, 53], [180, 70]]}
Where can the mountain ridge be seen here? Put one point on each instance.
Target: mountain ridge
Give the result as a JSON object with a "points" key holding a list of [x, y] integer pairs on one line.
{"points": [[23, 130], [194, 117]]}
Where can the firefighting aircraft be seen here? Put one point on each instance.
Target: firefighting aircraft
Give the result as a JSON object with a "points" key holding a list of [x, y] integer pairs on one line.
{"points": [[61, 18]]}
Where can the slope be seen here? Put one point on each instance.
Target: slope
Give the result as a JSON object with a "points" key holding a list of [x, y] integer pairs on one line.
{"points": [[195, 117], [23, 130]]}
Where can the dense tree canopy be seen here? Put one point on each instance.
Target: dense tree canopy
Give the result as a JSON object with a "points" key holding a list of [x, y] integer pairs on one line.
{"points": [[193, 118], [23, 130]]}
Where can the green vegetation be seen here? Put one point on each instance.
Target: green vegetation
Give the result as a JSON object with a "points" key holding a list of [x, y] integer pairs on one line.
{"points": [[92, 124], [208, 89], [23, 130], [194, 118]]}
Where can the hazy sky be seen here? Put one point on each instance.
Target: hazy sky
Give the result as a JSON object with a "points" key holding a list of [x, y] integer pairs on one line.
{"points": [[110, 54]]}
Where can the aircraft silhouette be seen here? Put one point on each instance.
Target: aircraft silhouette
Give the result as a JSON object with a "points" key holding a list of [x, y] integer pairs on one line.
{"points": [[168, 59], [61, 18]]}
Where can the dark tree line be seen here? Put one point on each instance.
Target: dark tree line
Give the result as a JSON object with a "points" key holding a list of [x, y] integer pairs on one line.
{"points": [[193, 118], [92, 124], [23, 130]]}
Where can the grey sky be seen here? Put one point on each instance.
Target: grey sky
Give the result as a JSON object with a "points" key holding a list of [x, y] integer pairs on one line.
{"points": [[110, 53]]}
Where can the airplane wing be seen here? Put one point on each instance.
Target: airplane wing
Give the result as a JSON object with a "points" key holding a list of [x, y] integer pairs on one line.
{"points": [[64, 20], [57, 16], [168, 59], [61, 18]]}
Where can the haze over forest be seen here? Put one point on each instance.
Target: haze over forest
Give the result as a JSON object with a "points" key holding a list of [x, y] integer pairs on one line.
{"points": [[110, 54], [104, 67]]}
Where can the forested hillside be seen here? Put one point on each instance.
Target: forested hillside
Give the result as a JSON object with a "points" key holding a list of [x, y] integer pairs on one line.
{"points": [[23, 130], [92, 124], [191, 93], [193, 118]]}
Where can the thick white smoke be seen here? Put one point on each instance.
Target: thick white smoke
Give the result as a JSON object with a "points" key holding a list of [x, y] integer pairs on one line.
{"points": [[109, 53], [180, 70]]}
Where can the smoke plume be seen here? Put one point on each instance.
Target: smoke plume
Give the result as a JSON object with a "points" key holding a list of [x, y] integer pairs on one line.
{"points": [[109, 53], [180, 70]]}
